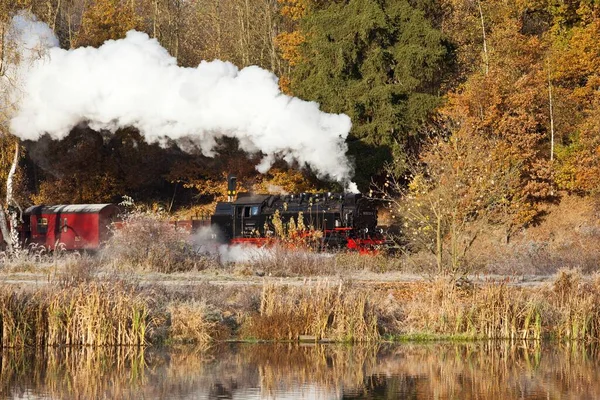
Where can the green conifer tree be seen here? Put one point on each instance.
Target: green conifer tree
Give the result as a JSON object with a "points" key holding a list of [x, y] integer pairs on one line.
{"points": [[381, 63]]}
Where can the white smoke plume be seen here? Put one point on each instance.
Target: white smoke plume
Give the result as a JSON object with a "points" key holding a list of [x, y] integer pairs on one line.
{"points": [[207, 240], [134, 82]]}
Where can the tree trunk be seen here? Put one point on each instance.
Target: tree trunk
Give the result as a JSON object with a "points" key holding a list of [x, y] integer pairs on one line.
{"points": [[10, 199], [551, 106], [438, 242], [15, 212], [486, 59], [5, 232], [10, 234]]}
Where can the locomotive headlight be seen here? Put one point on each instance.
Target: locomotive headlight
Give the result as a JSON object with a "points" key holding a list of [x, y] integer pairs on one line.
{"points": [[366, 230]]}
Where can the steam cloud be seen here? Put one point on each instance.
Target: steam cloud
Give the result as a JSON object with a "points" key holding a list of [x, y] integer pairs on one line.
{"points": [[135, 82]]}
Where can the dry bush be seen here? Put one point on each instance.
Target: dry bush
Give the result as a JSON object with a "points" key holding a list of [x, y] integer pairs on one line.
{"points": [[75, 270], [334, 312], [281, 261], [145, 243], [580, 250], [34, 257], [380, 263]]}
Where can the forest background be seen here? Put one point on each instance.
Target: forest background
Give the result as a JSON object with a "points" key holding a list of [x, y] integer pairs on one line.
{"points": [[467, 114]]}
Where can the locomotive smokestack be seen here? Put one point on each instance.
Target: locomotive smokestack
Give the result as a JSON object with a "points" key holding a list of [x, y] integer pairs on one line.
{"points": [[231, 187]]}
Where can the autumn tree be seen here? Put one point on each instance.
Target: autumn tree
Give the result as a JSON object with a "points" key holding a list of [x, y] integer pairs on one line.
{"points": [[575, 65], [93, 167], [459, 187], [507, 103], [13, 57], [291, 38], [107, 19], [240, 31]]}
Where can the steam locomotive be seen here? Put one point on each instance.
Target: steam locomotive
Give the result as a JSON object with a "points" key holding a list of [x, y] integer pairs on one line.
{"points": [[341, 220]]}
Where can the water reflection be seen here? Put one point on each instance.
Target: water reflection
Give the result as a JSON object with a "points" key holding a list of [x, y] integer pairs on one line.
{"points": [[290, 371]]}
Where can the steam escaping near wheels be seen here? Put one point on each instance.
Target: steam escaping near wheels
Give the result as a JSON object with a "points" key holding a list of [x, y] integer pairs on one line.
{"points": [[134, 82]]}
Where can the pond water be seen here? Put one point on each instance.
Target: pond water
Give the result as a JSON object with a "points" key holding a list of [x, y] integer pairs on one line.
{"points": [[480, 370]]}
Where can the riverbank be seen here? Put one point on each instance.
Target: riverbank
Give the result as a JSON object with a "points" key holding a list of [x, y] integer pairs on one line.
{"points": [[136, 309]]}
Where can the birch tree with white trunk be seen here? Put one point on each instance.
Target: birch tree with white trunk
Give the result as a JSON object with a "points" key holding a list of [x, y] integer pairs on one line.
{"points": [[16, 53]]}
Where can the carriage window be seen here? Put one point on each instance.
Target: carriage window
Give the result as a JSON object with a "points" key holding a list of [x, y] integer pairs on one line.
{"points": [[42, 225], [65, 226]]}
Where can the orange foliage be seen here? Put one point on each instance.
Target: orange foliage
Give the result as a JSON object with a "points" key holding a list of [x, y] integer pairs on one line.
{"points": [[288, 42], [579, 170], [508, 108], [78, 189], [577, 77], [289, 46], [294, 9], [279, 181]]}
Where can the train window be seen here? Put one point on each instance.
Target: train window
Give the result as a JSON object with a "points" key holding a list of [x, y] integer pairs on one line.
{"points": [[246, 212], [65, 226], [254, 210], [42, 225]]}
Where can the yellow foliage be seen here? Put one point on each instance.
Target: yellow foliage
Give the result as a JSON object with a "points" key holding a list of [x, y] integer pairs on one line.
{"points": [[278, 224], [289, 46], [77, 189], [216, 188], [294, 9], [107, 19], [418, 184], [278, 180]]}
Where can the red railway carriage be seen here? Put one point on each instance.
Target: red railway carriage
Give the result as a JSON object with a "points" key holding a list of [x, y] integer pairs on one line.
{"points": [[76, 226]]}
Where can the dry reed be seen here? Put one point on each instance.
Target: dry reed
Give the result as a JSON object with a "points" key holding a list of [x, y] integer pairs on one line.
{"points": [[324, 311], [94, 314], [192, 322], [566, 309]]}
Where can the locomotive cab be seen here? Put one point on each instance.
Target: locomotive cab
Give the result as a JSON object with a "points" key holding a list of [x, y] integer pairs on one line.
{"points": [[241, 218]]}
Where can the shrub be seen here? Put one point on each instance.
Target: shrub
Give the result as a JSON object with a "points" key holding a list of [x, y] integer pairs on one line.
{"points": [[146, 243]]}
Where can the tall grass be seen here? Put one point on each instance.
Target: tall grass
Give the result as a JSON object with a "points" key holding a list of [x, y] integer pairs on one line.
{"points": [[493, 311], [192, 322], [93, 314], [566, 309], [575, 313], [324, 311], [83, 307]]}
